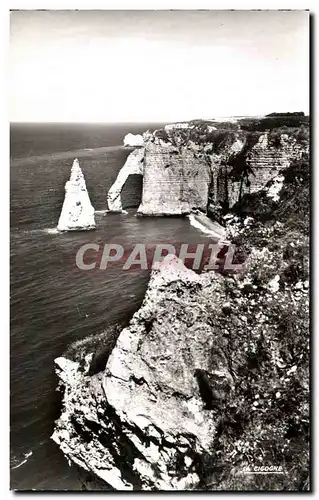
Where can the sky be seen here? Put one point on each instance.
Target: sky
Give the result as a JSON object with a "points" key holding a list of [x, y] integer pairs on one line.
{"points": [[156, 66]]}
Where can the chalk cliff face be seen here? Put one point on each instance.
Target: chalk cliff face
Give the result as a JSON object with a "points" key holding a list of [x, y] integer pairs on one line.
{"points": [[153, 386], [242, 170], [133, 165], [77, 211], [180, 177], [175, 179], [183, 174]]}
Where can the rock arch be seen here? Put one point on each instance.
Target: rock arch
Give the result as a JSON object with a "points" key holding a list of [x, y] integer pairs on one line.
{"points": [[133, 165]]}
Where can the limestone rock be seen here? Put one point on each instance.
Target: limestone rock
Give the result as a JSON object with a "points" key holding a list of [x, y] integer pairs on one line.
{"points": [[133, 165], [77, 211], [133, 140], [148, 405], [181, 175], [150, 377], [236, 147], [263, 161], [275, 187], [175, 180]]}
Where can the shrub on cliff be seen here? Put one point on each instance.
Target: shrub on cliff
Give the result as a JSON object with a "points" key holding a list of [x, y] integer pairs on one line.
{"points": [[162, 134], [294, 113], [266, 422], [300, 134], [201, 133], [100, 346], [272, 122], [293, 205], [303, 135]]}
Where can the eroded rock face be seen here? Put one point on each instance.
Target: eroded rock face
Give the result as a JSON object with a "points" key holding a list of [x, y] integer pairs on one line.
{"points": [[82, 432], [175, 180], [151, 376], [77, 211], [267, 160], [181, 177], [133, 165], [237, 172], [153, 403]]}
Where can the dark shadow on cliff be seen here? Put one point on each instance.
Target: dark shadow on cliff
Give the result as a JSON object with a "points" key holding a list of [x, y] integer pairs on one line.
{"points": [[131, 194], [100, 346]]}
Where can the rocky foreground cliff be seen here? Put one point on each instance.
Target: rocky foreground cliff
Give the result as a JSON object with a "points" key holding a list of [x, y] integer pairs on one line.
{"points": [[209, 383]]}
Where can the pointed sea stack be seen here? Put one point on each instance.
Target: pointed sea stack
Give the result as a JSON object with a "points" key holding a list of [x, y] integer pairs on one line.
{"points": [[77, 213]]}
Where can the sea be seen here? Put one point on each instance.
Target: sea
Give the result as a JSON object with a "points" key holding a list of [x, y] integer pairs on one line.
{"points": [[53, 303]]}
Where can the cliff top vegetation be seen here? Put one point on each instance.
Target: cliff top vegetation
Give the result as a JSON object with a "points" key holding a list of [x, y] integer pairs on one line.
{"points": [[222, 134]]}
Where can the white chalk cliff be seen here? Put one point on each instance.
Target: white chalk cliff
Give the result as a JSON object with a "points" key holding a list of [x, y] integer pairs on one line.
{"points": [[77, 211], [133, 140], [133, 165]]}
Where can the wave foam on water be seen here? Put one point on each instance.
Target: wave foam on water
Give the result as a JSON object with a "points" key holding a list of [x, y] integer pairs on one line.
{"points": [[204, 229], [52, 230], [25, 459], [104, 212], [101, 212]]}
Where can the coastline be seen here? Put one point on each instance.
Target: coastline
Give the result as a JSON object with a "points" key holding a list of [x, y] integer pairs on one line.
{"points": [[200, 222], [162, 400]]}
